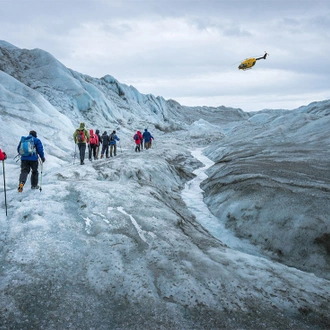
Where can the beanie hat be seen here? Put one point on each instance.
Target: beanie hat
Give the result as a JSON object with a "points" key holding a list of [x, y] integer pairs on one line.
{"points": [[33, 133], [82, 125]]}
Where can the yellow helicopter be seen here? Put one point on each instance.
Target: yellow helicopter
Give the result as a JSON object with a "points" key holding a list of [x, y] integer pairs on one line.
{"points": [[250, 62]]}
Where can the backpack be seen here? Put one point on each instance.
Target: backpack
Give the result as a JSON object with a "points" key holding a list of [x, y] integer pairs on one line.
{"points": [[93, 139], [81, 136], [112, 137], [27, 147], [136, 137]]}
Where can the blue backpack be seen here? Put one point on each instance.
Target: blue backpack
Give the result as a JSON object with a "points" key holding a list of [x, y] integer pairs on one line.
{"points": [[27, 147]]}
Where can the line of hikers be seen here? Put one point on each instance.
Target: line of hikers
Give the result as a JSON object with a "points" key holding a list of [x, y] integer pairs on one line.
{"points": [[31, 151], [82, 138], [139, 138]]}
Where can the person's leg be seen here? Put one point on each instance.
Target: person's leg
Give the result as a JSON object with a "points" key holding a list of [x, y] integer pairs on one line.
{"points": [[94, 151], [103, 150], [90, 149], [97, 151], [35, 174], [82, 150], [25, 170]]}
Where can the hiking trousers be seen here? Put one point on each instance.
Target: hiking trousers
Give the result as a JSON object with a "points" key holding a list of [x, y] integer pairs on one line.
{"points": [[26, 166], [113, 148], [92, 151], [82, 150], [105, 149]]}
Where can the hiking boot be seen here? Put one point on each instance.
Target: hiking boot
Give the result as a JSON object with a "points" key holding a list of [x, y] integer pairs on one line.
{"points": [[35, 187], [20, 187], [101, 156]]}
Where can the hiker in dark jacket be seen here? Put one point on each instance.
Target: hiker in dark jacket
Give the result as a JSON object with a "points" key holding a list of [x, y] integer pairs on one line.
{"points": [[147, 139], [30, 162], [105, 144], [97, 132]]}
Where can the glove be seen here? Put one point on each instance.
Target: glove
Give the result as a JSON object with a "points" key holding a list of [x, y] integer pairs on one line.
{"points": [[43, 160], [5, 156]]}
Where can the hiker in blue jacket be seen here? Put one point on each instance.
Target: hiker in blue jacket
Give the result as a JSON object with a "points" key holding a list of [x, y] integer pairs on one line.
{"points": [[113, 147], [29, 159], [147, 139]]}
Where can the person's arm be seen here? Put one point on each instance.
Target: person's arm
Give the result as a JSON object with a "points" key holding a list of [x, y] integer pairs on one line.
{"points": [[40, 149], [3, 155], [75, 136], [87, 136]]}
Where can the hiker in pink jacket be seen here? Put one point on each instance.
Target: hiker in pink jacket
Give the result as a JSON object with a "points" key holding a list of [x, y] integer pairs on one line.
{"points": [[138, 140], [92, 146]]}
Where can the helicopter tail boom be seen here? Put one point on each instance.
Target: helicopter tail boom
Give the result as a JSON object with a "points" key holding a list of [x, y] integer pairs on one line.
{"points": [[262, 57]]}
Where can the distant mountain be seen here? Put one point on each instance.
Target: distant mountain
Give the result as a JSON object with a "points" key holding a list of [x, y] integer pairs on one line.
{"points": [[99, 101]]}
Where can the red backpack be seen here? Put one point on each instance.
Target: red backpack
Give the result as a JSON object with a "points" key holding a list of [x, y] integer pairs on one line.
{"points": [[93, 139], [81, 136]]}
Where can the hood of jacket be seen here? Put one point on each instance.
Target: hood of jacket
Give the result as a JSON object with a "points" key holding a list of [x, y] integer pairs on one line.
{"points": [[91, 132]]}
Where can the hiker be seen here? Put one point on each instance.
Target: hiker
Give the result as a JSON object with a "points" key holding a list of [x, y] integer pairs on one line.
{"points": [[137, 138], [93, 143], [147, 138], [81, 137], [113, 147], [30, 148], [3, 155], [97, 132], [105, 144]]}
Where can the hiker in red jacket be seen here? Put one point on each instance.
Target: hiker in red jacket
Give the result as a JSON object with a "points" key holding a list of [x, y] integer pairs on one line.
{"points": [[138, 139], [92, 146]]}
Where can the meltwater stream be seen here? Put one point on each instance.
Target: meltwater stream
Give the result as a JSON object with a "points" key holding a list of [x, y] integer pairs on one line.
{"points": [[192, 195]]}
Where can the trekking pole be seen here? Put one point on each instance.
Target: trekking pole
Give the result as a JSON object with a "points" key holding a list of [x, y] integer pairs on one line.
{"points": [[18, 158], [41, 169], [4, 183]]}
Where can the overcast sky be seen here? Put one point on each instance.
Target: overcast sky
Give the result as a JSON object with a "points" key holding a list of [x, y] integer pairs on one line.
{"points": [[184, 49]]}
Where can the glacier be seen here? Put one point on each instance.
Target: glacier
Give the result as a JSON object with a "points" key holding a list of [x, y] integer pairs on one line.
{"points": [[222, 224]]}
